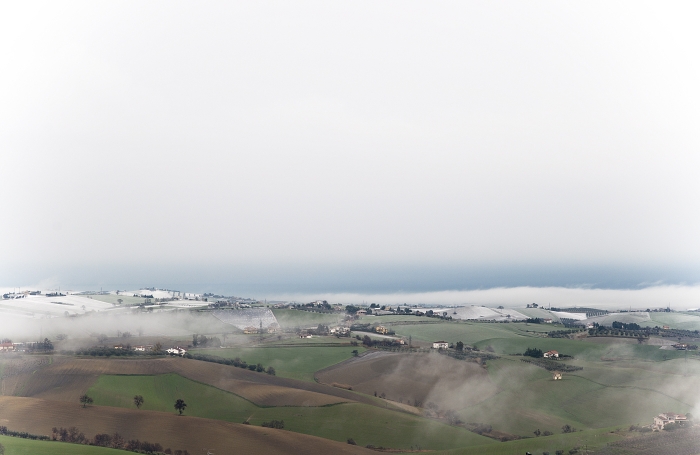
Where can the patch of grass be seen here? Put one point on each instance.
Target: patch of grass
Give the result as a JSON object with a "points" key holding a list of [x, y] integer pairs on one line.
{"points": [[297, 318], [289, 362], [364, 423], [452, 332], [18, 446], [685, 321], [591, 439]]}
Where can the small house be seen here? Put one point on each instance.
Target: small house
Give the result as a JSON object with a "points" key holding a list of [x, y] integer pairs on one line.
{"points": [[551, 355], [250, 330], [556, 375], [177, 350], [381, 329], [6, 347], [547, 320], [661, 420], [441, 345]]}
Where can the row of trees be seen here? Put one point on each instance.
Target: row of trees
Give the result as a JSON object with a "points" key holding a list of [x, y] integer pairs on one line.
{"points": [[179, 406], [115, 441]]}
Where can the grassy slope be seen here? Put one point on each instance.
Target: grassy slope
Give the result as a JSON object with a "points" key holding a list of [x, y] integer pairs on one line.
{"points": [[685, 321], [366, 424], [469, 332], [17, 446], [296, 318], [631, 389], [290, 362], [591, 439]]}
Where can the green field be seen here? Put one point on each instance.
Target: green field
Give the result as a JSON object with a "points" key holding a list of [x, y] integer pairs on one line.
{"points": [[685, 321], [304, 319], [366, 424], [590, 440], [289, 362], [18, 446], [468, 332]]}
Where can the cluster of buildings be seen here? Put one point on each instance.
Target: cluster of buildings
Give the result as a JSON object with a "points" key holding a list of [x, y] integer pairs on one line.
{"points": [[661, 420], [8, 346]]}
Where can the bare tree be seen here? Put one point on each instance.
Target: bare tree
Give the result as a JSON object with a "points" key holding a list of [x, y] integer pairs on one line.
{"points": [[138, 401]]}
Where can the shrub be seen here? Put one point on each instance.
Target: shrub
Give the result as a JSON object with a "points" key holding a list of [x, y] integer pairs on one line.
{"points": [[279, 424]]}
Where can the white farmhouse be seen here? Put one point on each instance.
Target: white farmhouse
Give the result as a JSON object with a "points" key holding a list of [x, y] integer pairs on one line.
{"points": [[440, 345], [551, 355], [661, 420], [177, 350]]}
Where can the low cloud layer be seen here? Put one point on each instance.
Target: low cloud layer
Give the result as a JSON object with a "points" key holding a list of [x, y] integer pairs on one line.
{"points": [[677, 296]]}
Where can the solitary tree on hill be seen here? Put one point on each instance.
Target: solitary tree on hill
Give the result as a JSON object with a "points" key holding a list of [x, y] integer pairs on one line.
{"points": [[180, 405], [85, 400], [138, 401]]}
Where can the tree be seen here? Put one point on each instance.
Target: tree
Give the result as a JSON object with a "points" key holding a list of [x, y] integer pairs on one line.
{"points": [[180, 405], [460, 346], [537, 432], [534, 352], [119, 301], [355, 353], [568, 429], [138, 401], [85, 400], [271, 371]]}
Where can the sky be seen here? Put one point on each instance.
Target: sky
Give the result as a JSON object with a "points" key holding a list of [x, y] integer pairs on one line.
{"points": [[349, 146]]}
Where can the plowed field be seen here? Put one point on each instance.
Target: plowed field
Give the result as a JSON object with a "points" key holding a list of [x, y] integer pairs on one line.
{"points": [[177, 432], [68, 378]]}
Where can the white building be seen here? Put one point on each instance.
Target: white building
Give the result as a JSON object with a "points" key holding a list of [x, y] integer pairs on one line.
{"points": [[177, 350], [661, 420], [551, 355], [440, 345]]}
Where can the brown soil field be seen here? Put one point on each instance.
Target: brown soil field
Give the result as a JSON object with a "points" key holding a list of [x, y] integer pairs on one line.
{"points": [[16, 369], [177, 432], [67, 378], [407, 378]]}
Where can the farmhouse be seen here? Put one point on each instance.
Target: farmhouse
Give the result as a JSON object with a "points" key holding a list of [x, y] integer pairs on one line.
{"points": [[556, 375], [148, 347], [5, 347], [177, 350], [547, 320], [273, 328], [250, 330], [661, 420], [551, 355], [440, 345], [381, 329]]}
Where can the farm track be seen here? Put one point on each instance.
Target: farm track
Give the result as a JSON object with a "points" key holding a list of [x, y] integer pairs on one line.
{"points": [[177, 432], [68, 378]]}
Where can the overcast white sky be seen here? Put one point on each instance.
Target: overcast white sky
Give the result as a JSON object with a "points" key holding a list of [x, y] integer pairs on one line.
{"points": [[265, 133]]}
